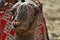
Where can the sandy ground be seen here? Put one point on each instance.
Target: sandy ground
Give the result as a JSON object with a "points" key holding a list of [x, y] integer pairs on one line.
{"points": [[52, 14]]}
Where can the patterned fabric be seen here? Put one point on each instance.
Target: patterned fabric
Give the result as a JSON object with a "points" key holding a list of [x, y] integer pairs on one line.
{"points": [[7, 32], [1, 13]]}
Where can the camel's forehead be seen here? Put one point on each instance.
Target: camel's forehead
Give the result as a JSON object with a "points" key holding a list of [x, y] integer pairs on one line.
{"points": [[21, 7], [25, 12]]}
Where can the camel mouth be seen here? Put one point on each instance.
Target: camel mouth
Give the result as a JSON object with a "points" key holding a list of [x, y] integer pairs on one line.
{"points": [[20, 27], [16, 24]]}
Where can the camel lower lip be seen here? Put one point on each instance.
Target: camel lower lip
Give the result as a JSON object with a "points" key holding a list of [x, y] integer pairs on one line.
{"points": [[15, 28]]}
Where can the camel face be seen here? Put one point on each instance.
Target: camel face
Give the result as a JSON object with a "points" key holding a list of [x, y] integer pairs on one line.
{"points": [[24, 19]]}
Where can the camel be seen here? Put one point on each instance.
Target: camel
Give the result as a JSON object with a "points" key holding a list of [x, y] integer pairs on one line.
{"points": [[26, 20]]}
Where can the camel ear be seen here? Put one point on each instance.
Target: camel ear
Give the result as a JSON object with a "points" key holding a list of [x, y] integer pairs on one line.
{"points": [[36, 10], [38, 14], [37, 19]]}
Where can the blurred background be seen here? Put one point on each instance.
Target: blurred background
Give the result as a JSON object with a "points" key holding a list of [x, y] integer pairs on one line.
{"points": [[51, 9]]}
